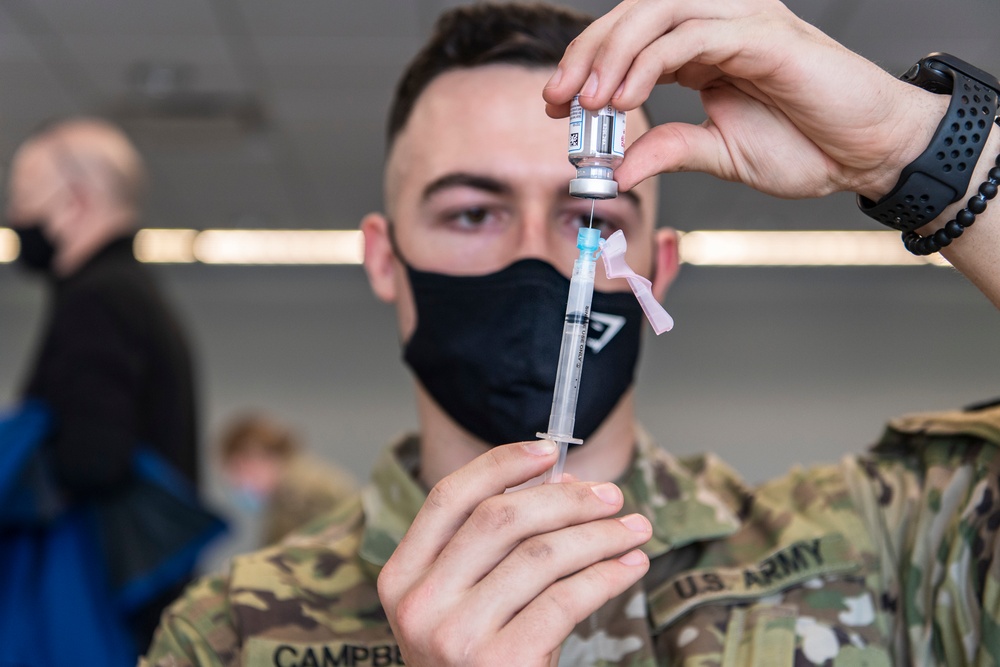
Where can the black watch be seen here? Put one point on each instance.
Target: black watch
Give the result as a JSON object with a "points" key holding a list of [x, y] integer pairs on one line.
{"points": [[941, 175]]}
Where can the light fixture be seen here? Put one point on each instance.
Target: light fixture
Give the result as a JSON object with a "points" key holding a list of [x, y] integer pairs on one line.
{"points": [[699, 248]]}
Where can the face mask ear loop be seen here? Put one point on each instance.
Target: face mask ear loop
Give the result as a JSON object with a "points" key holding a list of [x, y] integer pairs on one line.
{"points": [[391, 228], [613, 253]]}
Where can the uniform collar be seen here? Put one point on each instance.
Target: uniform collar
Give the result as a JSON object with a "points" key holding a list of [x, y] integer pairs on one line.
{"points": [[391, 500], [689, 500], [686, 501]]}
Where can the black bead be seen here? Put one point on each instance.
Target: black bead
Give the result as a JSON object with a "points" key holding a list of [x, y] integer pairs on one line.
{"points": [[941, 238], [988, 190], [994, 174], [977, 204], [953, 229], [965, 217], [927, 245]]}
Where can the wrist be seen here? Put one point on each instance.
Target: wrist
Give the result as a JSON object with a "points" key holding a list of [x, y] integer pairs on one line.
{"points": [[911, 136]]}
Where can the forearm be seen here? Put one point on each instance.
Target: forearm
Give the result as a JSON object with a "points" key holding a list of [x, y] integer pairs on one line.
{"points": [[977, 252]]}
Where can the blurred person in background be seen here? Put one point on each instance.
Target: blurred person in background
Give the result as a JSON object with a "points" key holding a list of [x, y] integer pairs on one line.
{"points": [[112, 362], [274, 477]]}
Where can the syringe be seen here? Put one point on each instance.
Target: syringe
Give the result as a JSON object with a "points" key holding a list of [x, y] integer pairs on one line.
{"points": [[571, 351], [596, 148]]}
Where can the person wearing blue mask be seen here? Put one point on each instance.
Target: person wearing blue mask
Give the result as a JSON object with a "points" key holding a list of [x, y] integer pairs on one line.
{"points": [[449, 556], [113, 363], [273, 477]]}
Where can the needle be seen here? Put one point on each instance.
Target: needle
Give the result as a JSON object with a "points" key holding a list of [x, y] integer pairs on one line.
{"points": [[592, 202]]}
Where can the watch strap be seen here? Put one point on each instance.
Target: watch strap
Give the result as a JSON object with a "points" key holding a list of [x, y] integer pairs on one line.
{"points": [[940, 175]]}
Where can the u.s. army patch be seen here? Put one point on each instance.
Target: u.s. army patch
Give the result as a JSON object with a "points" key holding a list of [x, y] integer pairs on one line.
{"points": [[277, 653], [785, 567]]}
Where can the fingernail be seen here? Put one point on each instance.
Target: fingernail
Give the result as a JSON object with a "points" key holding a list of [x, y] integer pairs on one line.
{"points": [[607, 492], [636, 522], [540, 447], [634, 557], [590, 88], [618, 93], [555, 78]]}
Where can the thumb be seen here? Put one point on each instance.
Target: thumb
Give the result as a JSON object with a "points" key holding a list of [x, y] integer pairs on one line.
{"points": [[671, 147]]}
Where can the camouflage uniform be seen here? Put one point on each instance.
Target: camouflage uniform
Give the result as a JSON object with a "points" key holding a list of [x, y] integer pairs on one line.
{"points": [[308, 487], [886, 558]]}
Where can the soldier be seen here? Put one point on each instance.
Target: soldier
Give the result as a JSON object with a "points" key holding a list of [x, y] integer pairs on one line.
{"points": [[884, 558]]}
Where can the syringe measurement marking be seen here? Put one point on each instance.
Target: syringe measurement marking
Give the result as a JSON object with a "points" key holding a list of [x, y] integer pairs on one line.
{"points": [[576, 331]]}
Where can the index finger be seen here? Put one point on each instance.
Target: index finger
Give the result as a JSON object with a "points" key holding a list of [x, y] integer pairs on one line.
{"points": [[596, 63], [453, 499]]}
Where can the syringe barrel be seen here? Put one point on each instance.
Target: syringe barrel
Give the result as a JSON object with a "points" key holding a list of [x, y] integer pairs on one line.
{"points": [[574, 338]]}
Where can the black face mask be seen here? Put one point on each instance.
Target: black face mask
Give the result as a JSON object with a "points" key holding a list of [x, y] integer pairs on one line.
{"points": [[37, 251], [486, 349]]}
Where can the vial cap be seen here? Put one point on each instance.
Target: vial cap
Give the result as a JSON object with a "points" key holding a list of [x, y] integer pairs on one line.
{"points": [[593, 188]]}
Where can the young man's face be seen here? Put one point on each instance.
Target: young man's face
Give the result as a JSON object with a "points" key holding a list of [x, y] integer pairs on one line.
{"points": [[479, 178]]}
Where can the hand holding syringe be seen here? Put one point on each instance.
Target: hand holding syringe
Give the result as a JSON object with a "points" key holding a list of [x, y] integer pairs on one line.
{"points": [[596, 146]]}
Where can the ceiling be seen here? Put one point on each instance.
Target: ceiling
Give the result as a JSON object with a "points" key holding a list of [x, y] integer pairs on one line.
{"points": [[304, 85]]}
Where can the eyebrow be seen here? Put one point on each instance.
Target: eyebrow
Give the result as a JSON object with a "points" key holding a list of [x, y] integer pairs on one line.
{"points": [[491, 185], [632, 197], [465, 180]]}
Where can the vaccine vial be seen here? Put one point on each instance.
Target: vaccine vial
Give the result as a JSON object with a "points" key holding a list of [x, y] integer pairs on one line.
{"points": [[596, 148]]}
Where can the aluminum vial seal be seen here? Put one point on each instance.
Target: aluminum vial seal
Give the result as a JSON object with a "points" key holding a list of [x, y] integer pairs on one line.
{"points": [[596, 148]]}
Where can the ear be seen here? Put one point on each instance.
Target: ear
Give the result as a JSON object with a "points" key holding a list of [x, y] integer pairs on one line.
{"points": [[667, 258], [380, 261]]}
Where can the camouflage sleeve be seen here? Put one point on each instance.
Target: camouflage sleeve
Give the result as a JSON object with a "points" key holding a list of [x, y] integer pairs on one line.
{"points": [[930, 494], [196, 629]]}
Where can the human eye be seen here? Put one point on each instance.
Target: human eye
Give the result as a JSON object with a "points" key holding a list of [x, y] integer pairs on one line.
{"points": [[476, 216], [471, 218]]}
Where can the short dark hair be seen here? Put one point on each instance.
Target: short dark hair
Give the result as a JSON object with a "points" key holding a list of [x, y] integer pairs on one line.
{"points": [[530, 35]]}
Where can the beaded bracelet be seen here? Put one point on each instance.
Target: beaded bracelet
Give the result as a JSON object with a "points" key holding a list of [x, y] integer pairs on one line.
{"points": [[926, 245]]}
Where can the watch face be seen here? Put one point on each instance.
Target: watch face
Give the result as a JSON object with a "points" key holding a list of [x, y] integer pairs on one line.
{"points": [[936, 73], [931, 73]]}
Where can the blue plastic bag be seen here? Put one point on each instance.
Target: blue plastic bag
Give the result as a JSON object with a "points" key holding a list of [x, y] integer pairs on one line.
{"points": [[71, 574]]}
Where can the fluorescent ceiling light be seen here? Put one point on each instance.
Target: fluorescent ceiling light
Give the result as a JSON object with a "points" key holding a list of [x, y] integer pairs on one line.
{"points": [[793, 248], [174, 246], [250, 246], [266, 246], [701, 248], [9, 245]]}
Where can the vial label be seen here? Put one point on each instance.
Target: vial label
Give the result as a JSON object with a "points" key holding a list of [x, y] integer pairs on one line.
{"points": [[616, 134], [596, 132], [575, 126]]}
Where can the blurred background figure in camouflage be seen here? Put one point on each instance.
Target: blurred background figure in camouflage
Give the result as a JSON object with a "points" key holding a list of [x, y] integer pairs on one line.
{"points": [[274, 478]]}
